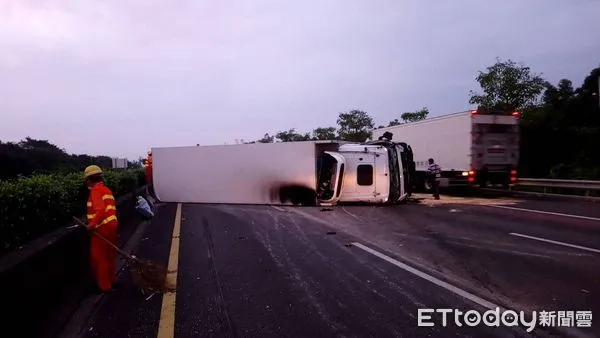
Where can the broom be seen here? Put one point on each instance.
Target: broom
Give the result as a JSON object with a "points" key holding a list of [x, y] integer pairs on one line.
{"points": [[147, 275]]}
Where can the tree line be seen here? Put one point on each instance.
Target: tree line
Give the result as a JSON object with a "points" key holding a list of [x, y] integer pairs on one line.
{"points": [[355, 125], [31, 156], [560, 127], [560, 124]]}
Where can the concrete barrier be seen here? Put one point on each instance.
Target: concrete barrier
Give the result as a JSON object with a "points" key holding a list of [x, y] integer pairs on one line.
{"points": [[42, 284]]}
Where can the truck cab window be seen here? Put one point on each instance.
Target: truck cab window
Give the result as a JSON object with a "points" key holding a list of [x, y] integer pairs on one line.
{"points": [[364, 174]]}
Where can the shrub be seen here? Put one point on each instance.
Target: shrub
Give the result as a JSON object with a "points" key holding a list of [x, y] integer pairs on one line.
{"points": [[34, 206]]}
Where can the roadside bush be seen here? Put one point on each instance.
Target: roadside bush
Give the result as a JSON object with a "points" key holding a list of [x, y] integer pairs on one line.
{"points": [[34, 206]]}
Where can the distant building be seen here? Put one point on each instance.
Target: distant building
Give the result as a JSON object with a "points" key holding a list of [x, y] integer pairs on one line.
{"points": [[119, 163]]}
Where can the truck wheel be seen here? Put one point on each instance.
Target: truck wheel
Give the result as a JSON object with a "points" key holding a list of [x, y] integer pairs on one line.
{"points": [[427, 186]]}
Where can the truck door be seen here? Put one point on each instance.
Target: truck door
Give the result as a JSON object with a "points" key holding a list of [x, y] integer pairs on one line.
{"points": [[337, 177], [496, 145], [360, 180]]}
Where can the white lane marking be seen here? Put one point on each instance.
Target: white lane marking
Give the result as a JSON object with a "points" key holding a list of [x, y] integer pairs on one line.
{"points": [[431, 279], [545, 212], [278, 208], [555, 242]]}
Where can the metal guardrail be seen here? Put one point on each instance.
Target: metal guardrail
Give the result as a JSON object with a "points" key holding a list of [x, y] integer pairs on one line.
{"points": [[583, 185], [553, 183]]}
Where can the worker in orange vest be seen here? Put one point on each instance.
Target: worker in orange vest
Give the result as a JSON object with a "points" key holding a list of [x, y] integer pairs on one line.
{"points": [[149, 187], [102, 218], [149, 168]]}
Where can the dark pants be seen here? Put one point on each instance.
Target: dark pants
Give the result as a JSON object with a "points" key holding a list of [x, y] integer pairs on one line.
{"points": [[436, 189], [150, 190]]}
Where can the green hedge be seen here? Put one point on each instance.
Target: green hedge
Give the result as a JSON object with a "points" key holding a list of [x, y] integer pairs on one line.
{"points": [[33, 206]]}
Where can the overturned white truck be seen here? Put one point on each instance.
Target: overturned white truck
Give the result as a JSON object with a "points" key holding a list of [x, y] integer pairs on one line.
{"points": [[299, 173]]}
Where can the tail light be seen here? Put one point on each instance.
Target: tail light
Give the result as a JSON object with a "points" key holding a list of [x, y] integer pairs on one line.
{"points": [[513, 175], [474, 112], [471, 176], [516, 114]]}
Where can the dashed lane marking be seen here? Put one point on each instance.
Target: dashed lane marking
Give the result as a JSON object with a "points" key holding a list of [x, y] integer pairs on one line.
{"points": [[166, 325], [460, 292], [545, 212], [555, 242]]}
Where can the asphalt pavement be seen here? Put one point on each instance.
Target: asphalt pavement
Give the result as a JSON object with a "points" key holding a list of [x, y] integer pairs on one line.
{"points": [[361, 271]]}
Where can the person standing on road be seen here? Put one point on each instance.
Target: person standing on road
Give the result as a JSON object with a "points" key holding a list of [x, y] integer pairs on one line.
{"points": [[434, 173], [102, 218], [148, 166]]}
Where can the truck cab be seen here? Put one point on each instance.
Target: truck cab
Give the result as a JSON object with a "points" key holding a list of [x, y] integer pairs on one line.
{"points": [[373, 172], [402, 167], [367, 174]]}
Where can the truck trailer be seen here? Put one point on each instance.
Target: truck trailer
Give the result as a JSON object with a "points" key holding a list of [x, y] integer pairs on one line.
{"points": [[298, 173], [473, 148]]}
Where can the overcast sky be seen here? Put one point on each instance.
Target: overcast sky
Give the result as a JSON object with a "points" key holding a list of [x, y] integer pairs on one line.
{"points": [[118, 77]]}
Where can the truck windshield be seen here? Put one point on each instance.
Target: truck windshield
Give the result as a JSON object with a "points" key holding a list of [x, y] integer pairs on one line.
{"points": [[326, 176]]}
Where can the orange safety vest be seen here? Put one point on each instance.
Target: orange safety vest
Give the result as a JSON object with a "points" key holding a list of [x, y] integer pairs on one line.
{"points": [[149, 169], [101, 206]]}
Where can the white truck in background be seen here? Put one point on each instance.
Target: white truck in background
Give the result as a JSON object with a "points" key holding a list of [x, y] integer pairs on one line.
{"points": [[473, 148], [300, 173]]}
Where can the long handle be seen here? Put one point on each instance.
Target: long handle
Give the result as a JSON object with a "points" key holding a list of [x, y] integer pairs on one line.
{"points": [[105, 239]]}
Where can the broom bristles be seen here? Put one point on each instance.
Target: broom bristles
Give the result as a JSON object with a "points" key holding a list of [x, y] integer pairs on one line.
{"points": [[150, 276]]}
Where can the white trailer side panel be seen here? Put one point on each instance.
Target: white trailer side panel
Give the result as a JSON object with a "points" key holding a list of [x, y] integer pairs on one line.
{"points": [[446, 139], [237, 174]]}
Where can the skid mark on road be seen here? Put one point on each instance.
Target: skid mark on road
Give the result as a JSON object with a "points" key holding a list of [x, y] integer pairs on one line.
{"points": [[224, 319], [555, 242], [304, 281], [351, 214]]}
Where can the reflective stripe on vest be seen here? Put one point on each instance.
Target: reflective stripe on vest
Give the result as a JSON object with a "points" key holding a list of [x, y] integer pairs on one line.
{"points": [[110, 208]]}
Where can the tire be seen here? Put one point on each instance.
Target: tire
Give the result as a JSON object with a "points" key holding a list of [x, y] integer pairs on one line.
{"points": [[427, 187]]}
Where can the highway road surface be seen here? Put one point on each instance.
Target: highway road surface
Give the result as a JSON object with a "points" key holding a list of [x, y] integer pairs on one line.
{"points": [[363, 271]]}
